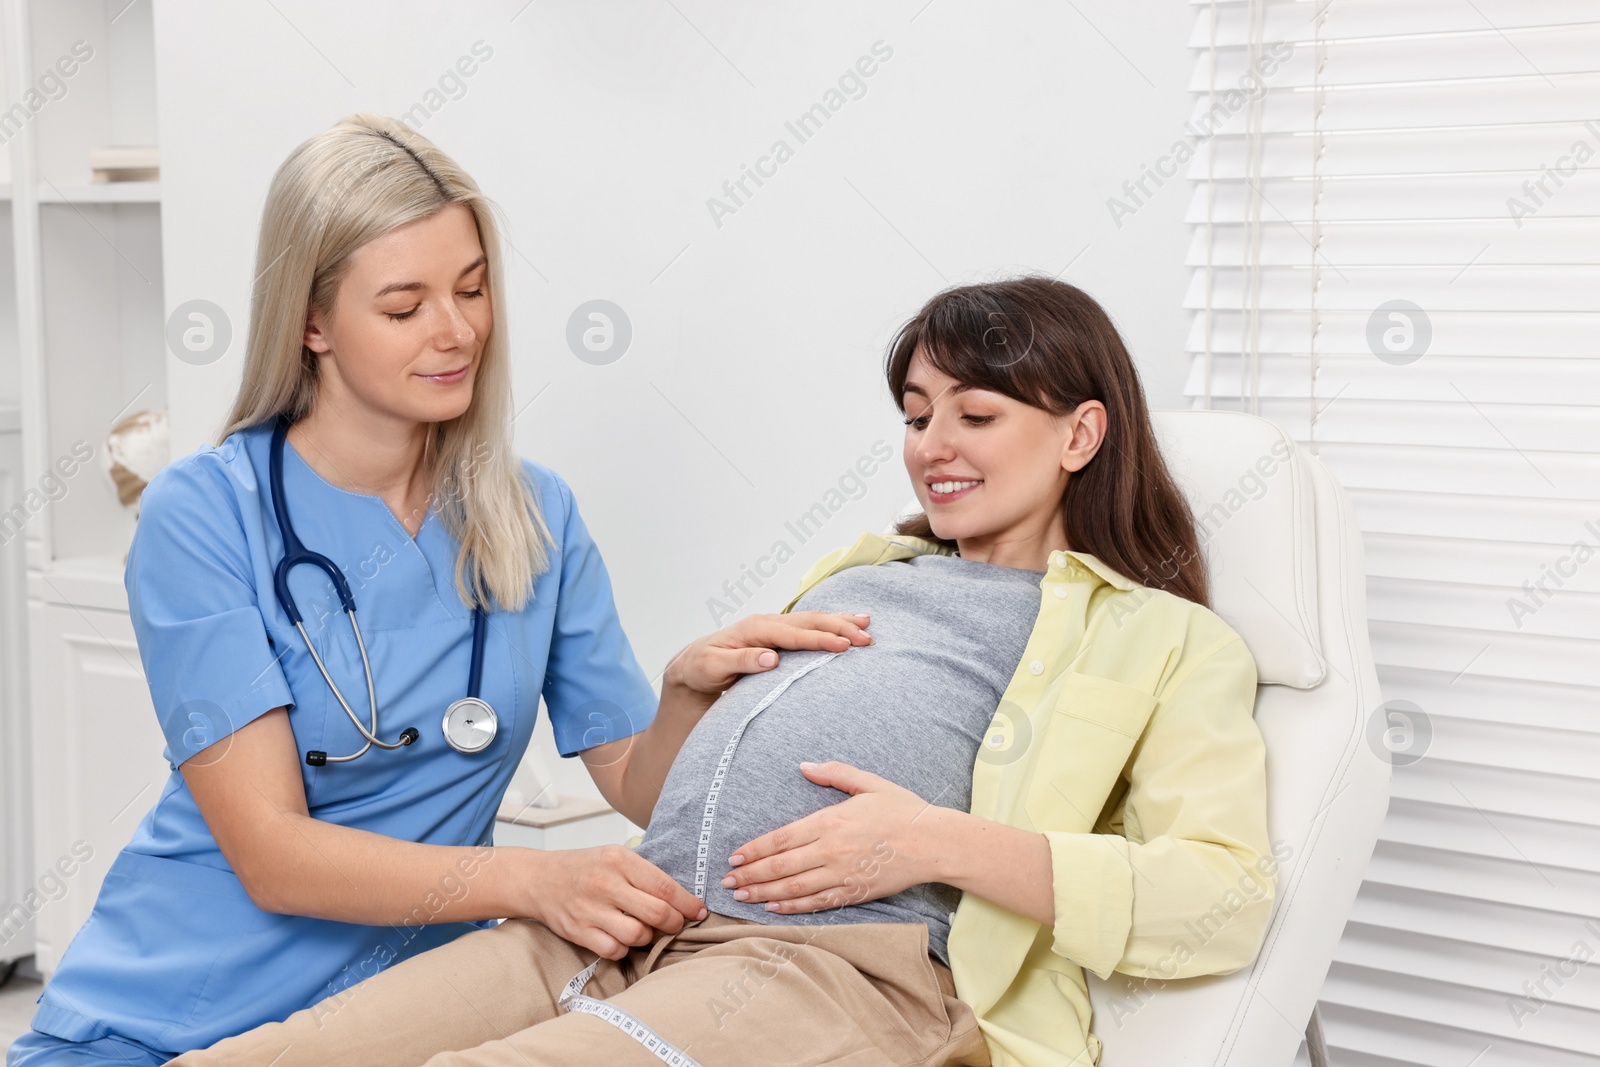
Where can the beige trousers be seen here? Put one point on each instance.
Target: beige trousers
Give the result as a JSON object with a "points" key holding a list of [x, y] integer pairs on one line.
{"points": [[723, 991]]}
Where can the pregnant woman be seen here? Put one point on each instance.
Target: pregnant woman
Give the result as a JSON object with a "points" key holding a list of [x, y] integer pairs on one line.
{"points": [[911, 850]]}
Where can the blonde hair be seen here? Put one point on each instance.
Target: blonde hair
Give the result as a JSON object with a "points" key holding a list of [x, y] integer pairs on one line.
{"points": [[338, 190]]}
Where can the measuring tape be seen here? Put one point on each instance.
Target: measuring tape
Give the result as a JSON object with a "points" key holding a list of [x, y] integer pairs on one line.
{"points": [[708, 815], [572, 998]]}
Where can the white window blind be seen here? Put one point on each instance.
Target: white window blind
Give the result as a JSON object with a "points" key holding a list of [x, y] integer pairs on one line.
{"points": [[1396, 257]]}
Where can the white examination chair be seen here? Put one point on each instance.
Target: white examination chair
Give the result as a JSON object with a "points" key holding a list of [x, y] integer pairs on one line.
{"points": [[1285, 561]]}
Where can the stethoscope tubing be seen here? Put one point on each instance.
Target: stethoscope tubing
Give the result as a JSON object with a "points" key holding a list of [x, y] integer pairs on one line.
{"points": [[294, 554]]}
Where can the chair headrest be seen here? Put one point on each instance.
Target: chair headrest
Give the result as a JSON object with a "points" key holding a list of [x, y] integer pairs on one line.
{"points": [[1251, 494]]}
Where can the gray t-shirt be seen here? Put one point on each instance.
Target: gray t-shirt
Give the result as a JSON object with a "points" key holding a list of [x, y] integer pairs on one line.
{"points": [[912, 707]]}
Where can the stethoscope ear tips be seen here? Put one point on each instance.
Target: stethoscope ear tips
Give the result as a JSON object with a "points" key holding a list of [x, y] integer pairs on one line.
{"points": [[316, 758]]}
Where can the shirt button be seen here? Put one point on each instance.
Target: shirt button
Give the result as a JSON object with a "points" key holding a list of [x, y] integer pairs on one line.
{"points": [[1058, 559], [1061, 592], [1036, 667]]}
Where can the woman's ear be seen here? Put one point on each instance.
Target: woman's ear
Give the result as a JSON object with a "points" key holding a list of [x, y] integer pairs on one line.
{"points": [[314, 338], [1086, 433]]}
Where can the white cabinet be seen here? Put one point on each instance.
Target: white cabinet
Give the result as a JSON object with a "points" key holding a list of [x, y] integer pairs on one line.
{"points": [[97, 763]]}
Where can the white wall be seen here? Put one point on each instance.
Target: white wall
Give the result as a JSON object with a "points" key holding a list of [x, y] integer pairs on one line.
{"points": [[986, 145]]}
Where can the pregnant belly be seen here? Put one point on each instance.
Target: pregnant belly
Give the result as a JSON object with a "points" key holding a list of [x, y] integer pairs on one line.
{"points": [[917, 729]]}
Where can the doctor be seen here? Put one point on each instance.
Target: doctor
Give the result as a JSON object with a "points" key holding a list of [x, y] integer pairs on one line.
{"points": [[315, 831]]}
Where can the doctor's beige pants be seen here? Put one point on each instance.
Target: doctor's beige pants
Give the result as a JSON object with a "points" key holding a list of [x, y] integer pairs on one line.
{"points": [[722, 991]]}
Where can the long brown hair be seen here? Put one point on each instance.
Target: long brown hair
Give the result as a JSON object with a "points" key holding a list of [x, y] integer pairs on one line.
{"points": [[1050, 345]]}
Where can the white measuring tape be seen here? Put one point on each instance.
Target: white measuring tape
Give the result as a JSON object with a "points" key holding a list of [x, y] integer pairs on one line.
{"points": [[572, 998], [708, 815]]}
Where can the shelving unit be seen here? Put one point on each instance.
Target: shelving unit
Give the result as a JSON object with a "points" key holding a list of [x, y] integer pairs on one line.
{"points": [[82, 311], [91, 317]]}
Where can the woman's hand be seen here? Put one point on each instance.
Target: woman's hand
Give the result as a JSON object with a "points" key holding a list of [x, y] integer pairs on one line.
{"points": [[716, 661], [886, 838], [606, 899], [629, 772], [881, 840]]}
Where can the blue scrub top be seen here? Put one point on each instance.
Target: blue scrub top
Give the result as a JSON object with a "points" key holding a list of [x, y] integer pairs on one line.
{"points": [[175, 955]]}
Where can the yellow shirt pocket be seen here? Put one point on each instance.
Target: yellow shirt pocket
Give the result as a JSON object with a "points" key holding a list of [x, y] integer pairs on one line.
{"points": [[1093, 727]]}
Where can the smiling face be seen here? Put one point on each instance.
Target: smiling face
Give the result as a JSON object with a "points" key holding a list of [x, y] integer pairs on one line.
{"points": [[989, 470], [406, 332]]}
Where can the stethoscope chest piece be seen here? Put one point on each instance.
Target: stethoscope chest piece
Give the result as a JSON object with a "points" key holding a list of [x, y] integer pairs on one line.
{"points": [[470, 725]]}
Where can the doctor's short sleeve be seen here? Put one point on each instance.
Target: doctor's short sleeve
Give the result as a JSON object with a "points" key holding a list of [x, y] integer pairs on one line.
{"points": [[194, 603], [594, 688]]}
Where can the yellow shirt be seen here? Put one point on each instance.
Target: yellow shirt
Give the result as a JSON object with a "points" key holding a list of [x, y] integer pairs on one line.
{"points": [[1128, 739]]}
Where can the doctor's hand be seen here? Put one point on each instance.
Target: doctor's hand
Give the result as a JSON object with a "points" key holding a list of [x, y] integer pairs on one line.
{"points": [[607, 899], [883, 839], [749, 646]]}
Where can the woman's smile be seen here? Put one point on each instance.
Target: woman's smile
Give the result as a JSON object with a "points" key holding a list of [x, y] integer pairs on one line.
{"points": [[948, 491], [448, 377]]}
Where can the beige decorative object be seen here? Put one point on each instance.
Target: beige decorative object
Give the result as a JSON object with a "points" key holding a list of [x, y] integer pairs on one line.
{"points": [[125, 163], [135, 450]]}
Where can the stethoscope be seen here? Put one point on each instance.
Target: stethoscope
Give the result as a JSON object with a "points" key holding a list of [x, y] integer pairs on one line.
{"points": [[469, 723]]}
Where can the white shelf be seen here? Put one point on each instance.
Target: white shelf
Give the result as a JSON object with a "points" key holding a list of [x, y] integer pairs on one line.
{"points": [[576, 822], [87, 273], [99, 193], [567, 809]]}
